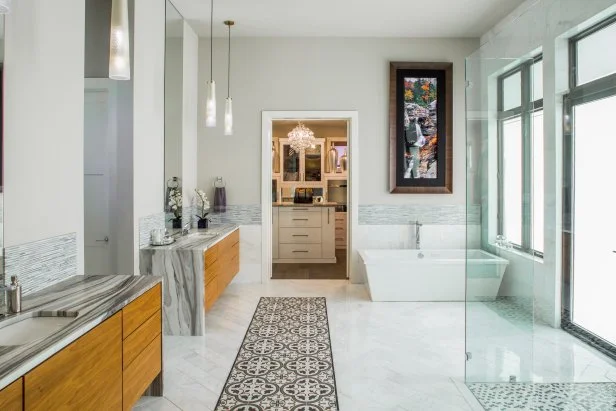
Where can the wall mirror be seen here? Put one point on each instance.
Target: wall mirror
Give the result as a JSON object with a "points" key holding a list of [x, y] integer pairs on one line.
{"points": [[174, 30], [1, 148]]}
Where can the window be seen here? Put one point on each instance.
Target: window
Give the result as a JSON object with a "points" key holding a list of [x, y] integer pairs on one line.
{"points": [[520, 154], [588, 201]]}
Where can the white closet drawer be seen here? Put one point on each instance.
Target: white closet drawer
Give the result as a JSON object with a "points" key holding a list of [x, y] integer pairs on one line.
{"points": [[299, 235], [299, 219], [298, 251]]}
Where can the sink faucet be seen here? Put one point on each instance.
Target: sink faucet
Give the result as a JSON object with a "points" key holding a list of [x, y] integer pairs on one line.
{"points": [[418, 235]]}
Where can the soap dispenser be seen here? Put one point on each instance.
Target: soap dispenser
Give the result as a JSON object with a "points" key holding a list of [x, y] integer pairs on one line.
{"points": [[13, 296]]}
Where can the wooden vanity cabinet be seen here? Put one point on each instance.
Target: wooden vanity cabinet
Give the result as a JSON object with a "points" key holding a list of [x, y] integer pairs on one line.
{"points": [[86, 375], [11, 397], [108, 368], [222, 263]]}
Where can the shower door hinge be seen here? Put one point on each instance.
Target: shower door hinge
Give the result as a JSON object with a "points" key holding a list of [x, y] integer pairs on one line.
{"points": [[513, 379], [468, 355], [469, 84]]}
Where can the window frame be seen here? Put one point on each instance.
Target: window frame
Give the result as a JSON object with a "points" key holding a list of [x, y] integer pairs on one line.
{"points": [[589, 92], [525, 112]]}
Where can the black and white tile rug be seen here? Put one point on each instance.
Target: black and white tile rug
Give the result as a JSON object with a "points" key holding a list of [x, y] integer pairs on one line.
{"points": [[285, 362]]}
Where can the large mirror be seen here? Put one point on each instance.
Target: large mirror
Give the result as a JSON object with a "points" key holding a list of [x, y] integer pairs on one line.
{"points": [[173, 114], [1, 148]]}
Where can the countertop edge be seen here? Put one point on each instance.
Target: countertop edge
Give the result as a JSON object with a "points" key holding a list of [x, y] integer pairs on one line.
{"points": [[46, 353], [206, 245]]}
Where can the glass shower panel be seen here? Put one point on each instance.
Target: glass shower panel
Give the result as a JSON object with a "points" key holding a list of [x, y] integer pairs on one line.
{"points": [[499, 277]]}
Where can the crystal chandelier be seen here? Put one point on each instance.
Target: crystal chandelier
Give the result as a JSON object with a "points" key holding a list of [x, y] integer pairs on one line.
{"points": [[301, 137]]}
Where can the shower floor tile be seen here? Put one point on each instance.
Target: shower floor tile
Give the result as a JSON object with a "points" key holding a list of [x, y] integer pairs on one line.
{"points": [[546, 397]]}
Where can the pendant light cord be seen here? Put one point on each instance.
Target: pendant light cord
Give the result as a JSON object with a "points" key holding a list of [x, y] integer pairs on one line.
{"points": [[212, 41], [229, 65]]}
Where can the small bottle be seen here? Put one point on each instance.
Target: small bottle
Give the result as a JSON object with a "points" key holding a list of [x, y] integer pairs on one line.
{"points": [[13, 296]]}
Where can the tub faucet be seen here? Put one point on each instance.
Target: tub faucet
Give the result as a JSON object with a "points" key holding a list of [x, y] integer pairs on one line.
{"points": [[418, 235]]}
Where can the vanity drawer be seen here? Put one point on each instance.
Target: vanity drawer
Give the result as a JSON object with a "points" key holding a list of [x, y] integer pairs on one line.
{"points": [[135, 342], [211, 294], [211, 255], [300, 219], [212, 271], [299, 235], [137, 312], [228, 242], [11, 397], [298, 251], [140, 374]]}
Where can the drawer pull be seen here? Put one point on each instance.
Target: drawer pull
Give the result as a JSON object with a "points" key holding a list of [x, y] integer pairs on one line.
{"points": [[300, 219], [339, 228], [300, 209], [300, 235], [300, 251]]}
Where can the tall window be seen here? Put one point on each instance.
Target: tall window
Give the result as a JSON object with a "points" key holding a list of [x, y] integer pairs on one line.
{"points": [[520, 156]]}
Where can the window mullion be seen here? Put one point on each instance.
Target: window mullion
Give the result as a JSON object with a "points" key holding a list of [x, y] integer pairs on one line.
{"points": [[527, 182]]}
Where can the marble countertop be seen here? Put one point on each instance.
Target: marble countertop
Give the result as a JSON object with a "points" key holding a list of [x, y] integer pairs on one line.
{"points": [[197, 239], [95, 298], [328, 204]]}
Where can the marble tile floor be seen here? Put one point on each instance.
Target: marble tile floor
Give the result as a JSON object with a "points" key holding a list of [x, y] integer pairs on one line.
{"points": [[387, 356]]}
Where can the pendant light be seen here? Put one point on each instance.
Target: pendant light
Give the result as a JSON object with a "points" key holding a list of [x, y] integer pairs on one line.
{"points": [[5, 6], [119, 41], [229, 101], [210, 102]]}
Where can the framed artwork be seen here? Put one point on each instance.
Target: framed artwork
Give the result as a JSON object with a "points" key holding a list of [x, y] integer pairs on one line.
{"points": [[420, 128]]}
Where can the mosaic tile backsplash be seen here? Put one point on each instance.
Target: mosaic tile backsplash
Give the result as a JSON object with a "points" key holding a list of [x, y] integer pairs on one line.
{"points": [[42, 263], [249, 214], [147, 224], [379, 214]]}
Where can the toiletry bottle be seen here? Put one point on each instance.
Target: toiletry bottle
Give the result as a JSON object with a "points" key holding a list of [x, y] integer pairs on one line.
{"points": [[13, 296]]}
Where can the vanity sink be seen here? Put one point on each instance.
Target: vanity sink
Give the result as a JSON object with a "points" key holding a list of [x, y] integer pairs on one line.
{"points": [[26, 328], [203, 235]]}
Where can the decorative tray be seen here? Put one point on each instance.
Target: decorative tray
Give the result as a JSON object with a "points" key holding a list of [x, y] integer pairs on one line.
{"points": [[166, 241]]}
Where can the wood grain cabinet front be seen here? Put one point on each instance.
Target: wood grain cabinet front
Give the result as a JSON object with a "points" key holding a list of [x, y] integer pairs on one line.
{"points": [[86, 375], [222, 263], [11, 397]]}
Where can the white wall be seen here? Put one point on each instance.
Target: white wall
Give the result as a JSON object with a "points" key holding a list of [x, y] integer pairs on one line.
{"points": [[43, 129], [319, 74], [546, 26], [148, 103], [190, 106]]}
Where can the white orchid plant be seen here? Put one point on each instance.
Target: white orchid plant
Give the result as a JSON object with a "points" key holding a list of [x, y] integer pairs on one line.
{"points": [[175, 202], [205, 203]]}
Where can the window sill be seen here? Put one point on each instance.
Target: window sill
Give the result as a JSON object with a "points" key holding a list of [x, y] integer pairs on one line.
{"points": [[519, 253]]}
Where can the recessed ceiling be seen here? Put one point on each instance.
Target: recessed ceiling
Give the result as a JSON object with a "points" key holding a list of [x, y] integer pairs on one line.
{"points": [[347, 18]]}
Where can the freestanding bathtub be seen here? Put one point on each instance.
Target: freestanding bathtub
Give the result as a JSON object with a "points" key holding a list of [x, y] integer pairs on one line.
{"points": [[432, 275]]}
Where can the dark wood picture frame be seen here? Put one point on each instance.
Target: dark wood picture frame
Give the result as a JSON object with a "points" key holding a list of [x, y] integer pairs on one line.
{"points": [[443, 72]]}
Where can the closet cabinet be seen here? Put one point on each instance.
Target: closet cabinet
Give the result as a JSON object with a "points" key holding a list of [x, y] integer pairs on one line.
{"points": [[306, 167]]}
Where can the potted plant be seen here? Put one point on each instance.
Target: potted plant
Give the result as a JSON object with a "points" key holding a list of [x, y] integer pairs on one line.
{"points": [[175, 204], [205, 208]]}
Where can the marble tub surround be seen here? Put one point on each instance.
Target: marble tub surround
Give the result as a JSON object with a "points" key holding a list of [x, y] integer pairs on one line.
{"points": [[182, 265], [94, 298]]}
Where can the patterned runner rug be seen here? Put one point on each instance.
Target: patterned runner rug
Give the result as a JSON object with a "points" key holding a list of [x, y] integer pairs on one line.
{"points": [[285, 362]]}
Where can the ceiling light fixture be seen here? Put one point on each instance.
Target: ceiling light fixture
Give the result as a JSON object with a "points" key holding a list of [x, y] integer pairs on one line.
{"points": [[210, 102], [119, 41], [5, 6], [229, 101], [301, 137]]}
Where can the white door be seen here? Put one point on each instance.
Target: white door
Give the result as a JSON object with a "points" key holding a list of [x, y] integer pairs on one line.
{"points": [[97, 139], [594, 256]]}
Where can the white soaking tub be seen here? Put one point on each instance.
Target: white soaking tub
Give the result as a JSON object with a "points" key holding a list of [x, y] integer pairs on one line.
{"points": [[432, 275]]}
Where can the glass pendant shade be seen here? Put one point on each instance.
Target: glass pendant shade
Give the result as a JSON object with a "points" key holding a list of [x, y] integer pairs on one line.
{"points": [[210, 105], [228, 116], [119, 42], [5, 6]]}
